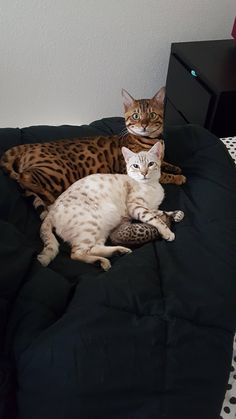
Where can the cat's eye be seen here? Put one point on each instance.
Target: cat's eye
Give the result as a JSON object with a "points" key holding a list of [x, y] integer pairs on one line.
{"points": [[152, 115], [136, 116], [151, 163], [135, 166]]}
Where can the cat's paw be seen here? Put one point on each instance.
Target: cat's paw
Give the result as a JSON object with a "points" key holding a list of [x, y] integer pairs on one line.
{"points": [[180, 179], [178, 216], [123, 250], [170, 237], [105, 264], [43, 215], [176, 170], [43, 259]]}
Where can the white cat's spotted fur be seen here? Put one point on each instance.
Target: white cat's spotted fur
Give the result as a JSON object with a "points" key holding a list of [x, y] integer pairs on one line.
{"points": [[88, 210]]}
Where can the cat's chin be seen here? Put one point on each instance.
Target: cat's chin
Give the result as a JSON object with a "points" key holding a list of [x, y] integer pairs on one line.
{"points": [[138, 179], [146, 133], [144, 180]]}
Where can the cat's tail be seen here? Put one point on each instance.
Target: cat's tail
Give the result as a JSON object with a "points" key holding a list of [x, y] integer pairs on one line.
{"points": [[27, 177], [9, 162], [51, 245]]}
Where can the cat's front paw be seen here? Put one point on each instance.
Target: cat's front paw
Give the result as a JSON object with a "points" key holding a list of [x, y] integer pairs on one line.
{"points": [[170, 237], [105, 264], [178, 216], [176, 170], [180, 179], [43, 259], [170, 168]]}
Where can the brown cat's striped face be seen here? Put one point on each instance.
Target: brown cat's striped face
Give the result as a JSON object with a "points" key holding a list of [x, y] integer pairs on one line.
{"points": [[144, 117]]}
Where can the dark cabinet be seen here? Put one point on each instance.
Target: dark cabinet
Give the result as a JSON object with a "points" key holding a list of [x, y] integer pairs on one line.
{"points": [[201, 86]]}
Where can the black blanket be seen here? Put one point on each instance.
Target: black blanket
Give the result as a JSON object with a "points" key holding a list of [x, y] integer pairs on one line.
{"points": [[149, 339]]}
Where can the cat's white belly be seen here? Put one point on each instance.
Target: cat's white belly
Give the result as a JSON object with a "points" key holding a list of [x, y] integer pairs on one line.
{"points": [[112, 215], [69, 221]]}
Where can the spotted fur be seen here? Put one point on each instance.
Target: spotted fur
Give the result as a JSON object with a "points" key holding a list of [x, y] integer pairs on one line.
{"points": [[86, 213], [133, 235], [45, 170]]}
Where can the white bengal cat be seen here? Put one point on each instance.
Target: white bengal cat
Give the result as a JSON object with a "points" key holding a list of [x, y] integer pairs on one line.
{"points": [[86, 213]]}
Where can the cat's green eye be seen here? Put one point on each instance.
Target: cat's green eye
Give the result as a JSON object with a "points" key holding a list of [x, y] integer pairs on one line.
{"points": [[136, 116], [136, 166], [151, 163], [152, 115]]}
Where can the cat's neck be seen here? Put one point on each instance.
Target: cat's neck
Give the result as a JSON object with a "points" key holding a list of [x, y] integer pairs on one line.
{"points": [[151, 182], [150, 137], [135, 142]]}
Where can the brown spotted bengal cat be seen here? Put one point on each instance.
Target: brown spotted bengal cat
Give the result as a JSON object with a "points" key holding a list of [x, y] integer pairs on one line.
{"points": [[45, 170]]}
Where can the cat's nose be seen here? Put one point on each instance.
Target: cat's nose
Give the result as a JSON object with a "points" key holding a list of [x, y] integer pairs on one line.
{"points": [[144, 124], [144, 173]]}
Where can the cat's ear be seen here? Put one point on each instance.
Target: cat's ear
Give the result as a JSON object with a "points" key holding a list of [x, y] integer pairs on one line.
{"points": [[127, 153], [128, 100], [157, 149], [160, 96]]}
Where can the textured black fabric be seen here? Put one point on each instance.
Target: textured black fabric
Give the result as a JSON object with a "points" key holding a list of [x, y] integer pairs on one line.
{"points": [[152, 337], [106, 126], [9, 137]]}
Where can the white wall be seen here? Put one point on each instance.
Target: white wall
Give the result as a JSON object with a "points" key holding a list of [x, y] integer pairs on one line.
{"points": [[65, 61]]}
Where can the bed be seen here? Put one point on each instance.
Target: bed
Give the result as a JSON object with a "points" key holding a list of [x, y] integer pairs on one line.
{"points": [[228, 410], [150, 338]]}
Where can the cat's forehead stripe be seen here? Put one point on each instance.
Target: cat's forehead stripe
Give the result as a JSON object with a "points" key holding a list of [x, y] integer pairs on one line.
{"points": [[142, 157], [142, 105]]}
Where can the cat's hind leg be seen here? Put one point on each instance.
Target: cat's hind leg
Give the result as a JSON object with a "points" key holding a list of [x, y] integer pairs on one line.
{"points": [[38, 204], [109, 251], [97, 253], [88, 258], [51, 245]]}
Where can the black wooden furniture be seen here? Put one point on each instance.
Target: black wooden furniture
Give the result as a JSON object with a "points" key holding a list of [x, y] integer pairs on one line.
{"points": [[201, 85]]}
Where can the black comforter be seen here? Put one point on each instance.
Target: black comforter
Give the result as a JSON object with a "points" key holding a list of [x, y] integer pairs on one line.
{"points": [[149, 339]]}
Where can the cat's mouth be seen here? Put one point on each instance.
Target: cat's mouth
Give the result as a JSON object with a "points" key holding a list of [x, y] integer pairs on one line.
{"points": [[145, 132]]}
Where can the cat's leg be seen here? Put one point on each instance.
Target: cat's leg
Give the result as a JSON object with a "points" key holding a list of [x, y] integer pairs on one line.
{"points": [[150, 217], [37, 203], [87, 257], [170, 178], [51, 245], [171, 168], [109, 251], [177, 215]]}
